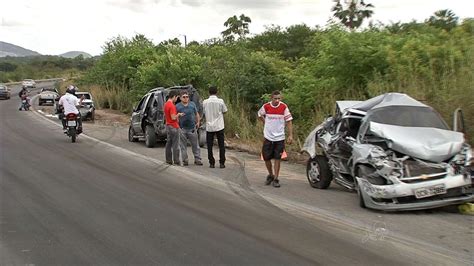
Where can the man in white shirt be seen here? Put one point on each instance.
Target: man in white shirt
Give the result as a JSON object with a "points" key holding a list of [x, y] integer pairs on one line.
{"points": [[70, 102], [275, 115], [214, 109]]}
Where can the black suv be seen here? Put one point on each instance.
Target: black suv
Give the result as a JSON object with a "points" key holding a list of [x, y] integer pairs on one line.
{"points": [[148, 119]]}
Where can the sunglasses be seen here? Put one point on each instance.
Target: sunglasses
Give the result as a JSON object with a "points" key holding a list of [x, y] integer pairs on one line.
{"points": [[184, 96]]}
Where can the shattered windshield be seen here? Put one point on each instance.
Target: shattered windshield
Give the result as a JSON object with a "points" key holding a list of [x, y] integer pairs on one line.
{"points": [[408, 116]]}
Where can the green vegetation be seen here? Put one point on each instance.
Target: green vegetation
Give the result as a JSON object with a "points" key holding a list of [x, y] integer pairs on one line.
{"points": [[42, 67], [431, 61]]}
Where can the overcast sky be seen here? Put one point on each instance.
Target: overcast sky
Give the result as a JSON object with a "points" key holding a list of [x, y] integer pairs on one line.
{"points": [[58, 26]]}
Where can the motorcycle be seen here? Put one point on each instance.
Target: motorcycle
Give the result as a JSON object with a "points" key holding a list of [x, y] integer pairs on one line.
{"points": [[25, 104], [72, 126]]}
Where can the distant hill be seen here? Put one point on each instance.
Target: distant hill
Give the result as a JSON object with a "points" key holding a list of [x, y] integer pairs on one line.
{"points": [[73, 54], [8, 49]]}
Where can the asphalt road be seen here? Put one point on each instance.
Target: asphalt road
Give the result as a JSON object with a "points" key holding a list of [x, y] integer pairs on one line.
{"points": [[90, 203]]}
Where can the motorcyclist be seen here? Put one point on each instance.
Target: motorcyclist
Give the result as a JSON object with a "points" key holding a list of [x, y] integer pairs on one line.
{"points": [[70, 103], [24, 96]]}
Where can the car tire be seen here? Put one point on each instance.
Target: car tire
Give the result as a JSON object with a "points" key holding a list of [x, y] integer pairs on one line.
{"points": [[318, 173], [131, 134], [40, 103], [92, 117], [202, 137], [150, 136]]}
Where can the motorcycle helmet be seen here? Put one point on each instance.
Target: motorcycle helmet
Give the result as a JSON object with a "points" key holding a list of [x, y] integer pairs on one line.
{"points": [[71, 89]]}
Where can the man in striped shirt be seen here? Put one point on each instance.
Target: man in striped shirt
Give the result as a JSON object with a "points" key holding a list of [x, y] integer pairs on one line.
{"points": [[275, 115], [214, 109]]}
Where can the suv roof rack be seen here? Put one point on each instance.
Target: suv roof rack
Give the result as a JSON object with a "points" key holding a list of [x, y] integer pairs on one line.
{"points": [[156, 89], [185, 87]]}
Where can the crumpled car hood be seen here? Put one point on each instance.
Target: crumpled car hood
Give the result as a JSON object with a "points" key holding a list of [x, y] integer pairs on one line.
{"points": [[426, 143]]}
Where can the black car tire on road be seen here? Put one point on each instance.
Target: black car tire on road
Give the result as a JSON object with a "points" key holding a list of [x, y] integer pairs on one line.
{"points": [[150, 136], [202, 135], [318, 173]]}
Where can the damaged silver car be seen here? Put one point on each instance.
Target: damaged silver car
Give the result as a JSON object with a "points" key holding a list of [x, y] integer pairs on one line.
{"points": [[396, 152]]}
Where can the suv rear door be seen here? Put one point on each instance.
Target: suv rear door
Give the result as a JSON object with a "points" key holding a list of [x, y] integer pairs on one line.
{"points": [[138, 114]]}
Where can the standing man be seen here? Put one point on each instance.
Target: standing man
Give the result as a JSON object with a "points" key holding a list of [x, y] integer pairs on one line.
{"points": [[214, 109], [172, 128], [274, 115], [189, 124]]}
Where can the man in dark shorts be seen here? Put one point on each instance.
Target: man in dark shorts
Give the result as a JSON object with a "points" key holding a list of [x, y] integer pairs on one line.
{"points": [[275, 115]]}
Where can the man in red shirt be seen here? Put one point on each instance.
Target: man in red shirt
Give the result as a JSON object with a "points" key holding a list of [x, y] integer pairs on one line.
{"points": [[172, 128]]}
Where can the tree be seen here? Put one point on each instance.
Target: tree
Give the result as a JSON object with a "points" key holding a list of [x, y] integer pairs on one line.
{"points": [[171, 42], [353, 14], [443, 19], [7, 67], [236, 26]]}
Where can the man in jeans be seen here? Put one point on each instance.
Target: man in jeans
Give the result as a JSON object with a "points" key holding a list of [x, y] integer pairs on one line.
{"points": [[189, 124], [172, 128], [214, 109]]}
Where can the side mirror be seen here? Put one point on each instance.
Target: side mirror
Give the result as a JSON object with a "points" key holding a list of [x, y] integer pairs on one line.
{"points": [[458, 121]]}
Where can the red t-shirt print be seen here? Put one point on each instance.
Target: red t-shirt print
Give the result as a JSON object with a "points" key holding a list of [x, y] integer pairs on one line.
{"points": [[170, 109]]}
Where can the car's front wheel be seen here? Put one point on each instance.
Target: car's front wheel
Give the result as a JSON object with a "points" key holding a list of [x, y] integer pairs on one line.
{"points": [[150, 136], [318, 173]]}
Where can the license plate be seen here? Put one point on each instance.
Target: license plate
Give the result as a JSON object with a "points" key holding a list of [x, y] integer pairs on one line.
{"points": [[430, 191], [71, 123]]}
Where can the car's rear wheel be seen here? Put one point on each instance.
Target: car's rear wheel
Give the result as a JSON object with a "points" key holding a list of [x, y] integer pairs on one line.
{"points": [[318, 173], [202, 137], [150, 136], [131, 135]]}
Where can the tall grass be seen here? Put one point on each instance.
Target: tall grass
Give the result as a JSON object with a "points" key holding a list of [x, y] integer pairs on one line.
{"points": [[113, 98]]}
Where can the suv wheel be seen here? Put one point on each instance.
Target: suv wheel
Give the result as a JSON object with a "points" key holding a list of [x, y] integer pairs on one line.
{"points": [[202, 137], [150, 136], [318, 173]]}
